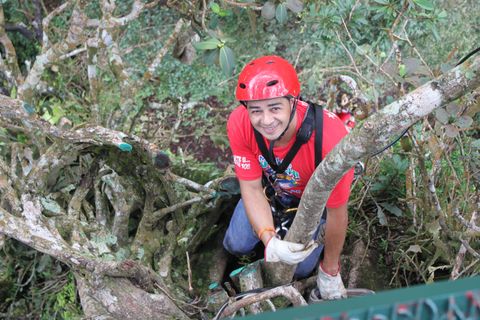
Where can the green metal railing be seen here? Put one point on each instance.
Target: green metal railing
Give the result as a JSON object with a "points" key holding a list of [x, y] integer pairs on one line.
{"points": [[446, 300]]}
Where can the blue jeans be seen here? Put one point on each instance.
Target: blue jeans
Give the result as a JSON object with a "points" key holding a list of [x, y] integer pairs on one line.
{"points": [[240, 239]]}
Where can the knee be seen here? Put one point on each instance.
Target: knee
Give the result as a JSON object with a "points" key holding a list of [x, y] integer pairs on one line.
{"points": [[236, 245]]}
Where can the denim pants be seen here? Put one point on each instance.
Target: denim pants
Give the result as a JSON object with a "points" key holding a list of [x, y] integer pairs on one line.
{"points": [[240, 239]]}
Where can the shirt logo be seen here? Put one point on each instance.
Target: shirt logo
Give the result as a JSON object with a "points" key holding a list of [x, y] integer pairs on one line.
{"points": [[284, 182], [241, 162]]}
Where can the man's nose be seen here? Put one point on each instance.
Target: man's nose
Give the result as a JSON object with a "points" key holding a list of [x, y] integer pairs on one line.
{"points": [[267, 118]]}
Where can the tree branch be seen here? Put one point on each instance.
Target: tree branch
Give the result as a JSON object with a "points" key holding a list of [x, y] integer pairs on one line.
{"points": [[13, 111], [288, 292]]}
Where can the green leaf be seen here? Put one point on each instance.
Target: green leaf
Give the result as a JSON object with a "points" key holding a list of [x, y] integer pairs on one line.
{"points": [[442, 15], [451, 131], [211, 57], [442, 115], [425, 4], [385, 2], [13, 93], [208, 44], [476, 144], [281, 13], [268, 10], [452, 109], [50, 205], [53, 114], [392, 209], [295, 6], [464, 122], [215, 7], [402, 70], [227, 60], [381, 216]]}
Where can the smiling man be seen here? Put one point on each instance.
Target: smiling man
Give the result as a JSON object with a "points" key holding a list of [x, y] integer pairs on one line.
{"points": [[275, 150]]}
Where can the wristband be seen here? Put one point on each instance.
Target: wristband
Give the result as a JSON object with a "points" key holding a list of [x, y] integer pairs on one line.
{"points": [[260, 233], [332, 275]]}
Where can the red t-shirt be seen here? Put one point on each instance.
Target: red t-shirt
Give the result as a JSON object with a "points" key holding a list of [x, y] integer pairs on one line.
{"points": [[249, 161]]}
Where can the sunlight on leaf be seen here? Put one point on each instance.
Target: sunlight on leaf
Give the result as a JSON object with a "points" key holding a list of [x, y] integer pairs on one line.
{"points": [[425, 4], [281, 13], [227, 60]]}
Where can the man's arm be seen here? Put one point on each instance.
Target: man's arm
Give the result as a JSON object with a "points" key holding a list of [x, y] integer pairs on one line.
{"points": [[335, 232], [257, 208]]}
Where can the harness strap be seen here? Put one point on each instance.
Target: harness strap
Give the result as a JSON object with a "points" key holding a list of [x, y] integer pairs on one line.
{"points": [[318, 133]]}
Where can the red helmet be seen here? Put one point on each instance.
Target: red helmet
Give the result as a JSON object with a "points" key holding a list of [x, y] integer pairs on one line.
{"points": [[267, 77]]}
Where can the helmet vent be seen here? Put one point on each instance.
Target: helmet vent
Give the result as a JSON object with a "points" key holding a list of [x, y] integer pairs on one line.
{"points": [[272, 83], [242, 85], [270, 62]]}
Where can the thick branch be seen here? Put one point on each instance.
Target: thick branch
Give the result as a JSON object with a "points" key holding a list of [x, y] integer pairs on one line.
{"points": [[288, 292], [36, 233], [14, 112], [365, 140]]}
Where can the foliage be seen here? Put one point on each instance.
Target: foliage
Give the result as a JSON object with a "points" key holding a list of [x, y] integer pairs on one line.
{"points": [[35, 285]]}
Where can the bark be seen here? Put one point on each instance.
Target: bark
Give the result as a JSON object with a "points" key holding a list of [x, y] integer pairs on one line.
{"points": [[367, 138], [115, 290], [13, 70], [120, 299]]}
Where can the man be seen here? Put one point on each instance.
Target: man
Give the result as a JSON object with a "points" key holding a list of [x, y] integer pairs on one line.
{"points": [[272, 111]]}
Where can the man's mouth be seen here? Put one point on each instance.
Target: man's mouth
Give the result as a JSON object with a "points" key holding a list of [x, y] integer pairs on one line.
{"points": [[270, 129]]}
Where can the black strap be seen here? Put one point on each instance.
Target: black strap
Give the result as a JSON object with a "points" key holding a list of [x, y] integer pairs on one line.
{"points": [[318, 133], [313, 119]]}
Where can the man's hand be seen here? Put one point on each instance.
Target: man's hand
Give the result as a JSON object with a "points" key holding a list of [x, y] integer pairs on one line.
{"points": [[288, 252], [331, 286]]}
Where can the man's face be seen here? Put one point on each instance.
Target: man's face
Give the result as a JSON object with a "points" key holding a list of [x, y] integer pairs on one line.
{"points": [[269, 117]]}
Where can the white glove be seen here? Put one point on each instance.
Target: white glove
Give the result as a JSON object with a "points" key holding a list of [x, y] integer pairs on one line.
{"points": [[287, 252], [331, 287]]}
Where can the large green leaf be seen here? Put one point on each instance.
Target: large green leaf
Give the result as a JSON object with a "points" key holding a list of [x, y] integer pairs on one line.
{"points": [[281, 13], [211, 57], [295, 5], [268, 10], [208, 44], [425, 4], [227, 60]]}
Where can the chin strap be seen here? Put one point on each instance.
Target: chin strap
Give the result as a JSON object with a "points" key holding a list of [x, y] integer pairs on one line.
{"points": [[272, 142]]}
